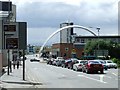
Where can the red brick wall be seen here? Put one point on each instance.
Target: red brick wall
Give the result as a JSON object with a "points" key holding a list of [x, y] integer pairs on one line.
{"points": [[63, 51]]}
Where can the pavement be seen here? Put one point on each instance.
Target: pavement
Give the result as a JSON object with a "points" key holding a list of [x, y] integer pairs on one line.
{"points": [[15, 80]]}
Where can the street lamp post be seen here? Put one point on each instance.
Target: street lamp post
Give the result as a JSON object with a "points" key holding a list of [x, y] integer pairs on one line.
{"points": [[98, 30], [98, 36]]}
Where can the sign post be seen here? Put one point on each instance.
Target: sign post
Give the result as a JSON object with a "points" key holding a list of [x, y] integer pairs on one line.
{"points": [[8, 64], [23, 64]]}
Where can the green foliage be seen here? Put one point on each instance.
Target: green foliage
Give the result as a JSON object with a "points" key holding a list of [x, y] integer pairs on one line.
{"points": [[112, 47], [115, 60]]}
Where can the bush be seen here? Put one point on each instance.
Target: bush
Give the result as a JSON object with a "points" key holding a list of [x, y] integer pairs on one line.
{"points": [[116, 61]]}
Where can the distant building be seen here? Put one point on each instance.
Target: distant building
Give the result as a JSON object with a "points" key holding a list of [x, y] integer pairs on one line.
{"points": [[30, 49], [83, 39], [76, 49], [66, 50], [65, 35]]}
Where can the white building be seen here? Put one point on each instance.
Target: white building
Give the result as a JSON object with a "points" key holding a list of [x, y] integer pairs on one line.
{"points": [[65, 35]]}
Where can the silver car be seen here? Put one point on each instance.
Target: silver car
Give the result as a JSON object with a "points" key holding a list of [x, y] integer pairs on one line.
{"points": [[78, 66], [110, 64]]}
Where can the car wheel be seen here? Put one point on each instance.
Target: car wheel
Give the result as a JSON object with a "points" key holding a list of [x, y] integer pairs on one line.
{"points": [[105, 68], [80, 70], [115, 67]]}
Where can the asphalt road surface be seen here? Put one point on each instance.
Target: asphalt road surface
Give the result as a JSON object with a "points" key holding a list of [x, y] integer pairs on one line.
{"points": [[49, 76]]}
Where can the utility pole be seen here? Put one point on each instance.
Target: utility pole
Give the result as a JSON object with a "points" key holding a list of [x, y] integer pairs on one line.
{"points": [[23, 64], [8, 46], [98, 30], [8, 64], [98, 36]]}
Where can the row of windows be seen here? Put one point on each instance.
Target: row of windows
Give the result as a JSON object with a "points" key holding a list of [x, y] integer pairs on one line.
{"points": [[79, 40]]}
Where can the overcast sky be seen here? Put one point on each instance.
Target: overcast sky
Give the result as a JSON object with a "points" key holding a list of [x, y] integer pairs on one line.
{"points": [[44, 16]]}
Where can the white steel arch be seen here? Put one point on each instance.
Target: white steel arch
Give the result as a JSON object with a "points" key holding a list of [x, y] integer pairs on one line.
{"points": [[66, 27]]}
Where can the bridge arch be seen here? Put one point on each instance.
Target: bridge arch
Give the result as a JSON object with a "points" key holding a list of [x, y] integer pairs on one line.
{"points": [[66, 27]]}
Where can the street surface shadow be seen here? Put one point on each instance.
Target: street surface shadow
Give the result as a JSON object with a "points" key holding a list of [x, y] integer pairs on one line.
{"points": [[31, 83], [3, 89], [98, 73]]}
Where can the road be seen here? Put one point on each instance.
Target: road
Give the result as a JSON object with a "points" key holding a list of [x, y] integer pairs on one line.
{"points": [[57, 77]]}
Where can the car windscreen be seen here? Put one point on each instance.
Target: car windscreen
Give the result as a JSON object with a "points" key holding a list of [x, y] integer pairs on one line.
{"points": [[109, 61], [94, 62], [102, 62], [82, 61]]}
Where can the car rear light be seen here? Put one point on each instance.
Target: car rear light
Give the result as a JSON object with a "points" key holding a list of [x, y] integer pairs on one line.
{"points": [[88, 65]]}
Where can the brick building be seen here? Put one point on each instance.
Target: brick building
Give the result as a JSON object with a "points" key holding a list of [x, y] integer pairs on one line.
{"points": [[67, 50]]}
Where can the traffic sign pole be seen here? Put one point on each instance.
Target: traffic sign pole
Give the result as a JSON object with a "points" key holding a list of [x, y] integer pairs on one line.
{"points": [[8, 64], [23, 64]]}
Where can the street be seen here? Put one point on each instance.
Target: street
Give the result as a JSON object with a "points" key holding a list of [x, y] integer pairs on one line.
{"points": [[49, 76]]}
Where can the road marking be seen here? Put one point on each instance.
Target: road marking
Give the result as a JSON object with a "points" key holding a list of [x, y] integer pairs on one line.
{"points": [[94, 78], [101, 78], [108, 76], [80, 75], [115, 74]]}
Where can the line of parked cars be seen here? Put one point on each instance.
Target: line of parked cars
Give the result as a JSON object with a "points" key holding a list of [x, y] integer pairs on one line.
{"points": [[88, 66]]}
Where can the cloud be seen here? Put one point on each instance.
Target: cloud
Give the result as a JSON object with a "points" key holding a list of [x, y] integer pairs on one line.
{"points": [[50, 13]]}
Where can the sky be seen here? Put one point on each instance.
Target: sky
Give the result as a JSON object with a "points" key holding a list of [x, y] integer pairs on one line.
{"points": [[43, 17]]}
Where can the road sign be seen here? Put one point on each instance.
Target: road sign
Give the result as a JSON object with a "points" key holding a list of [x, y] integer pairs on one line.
{"points": [[15, 34], [10, 28], [11, 43], [101, 52]]}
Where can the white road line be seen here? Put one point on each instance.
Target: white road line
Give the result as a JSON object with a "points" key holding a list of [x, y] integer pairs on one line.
{"points": [[108, 77], [115, 74], [93, 79], [80, 75], [101, 78]]}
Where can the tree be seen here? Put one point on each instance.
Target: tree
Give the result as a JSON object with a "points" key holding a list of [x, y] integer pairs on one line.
{"points": [[112, 47]]}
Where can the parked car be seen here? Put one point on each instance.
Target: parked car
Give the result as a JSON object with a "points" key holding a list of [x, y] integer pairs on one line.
{"points": [[92, 66], [103, 63], [59, 61], [36, 60], [73, 61], [65, 63], [49, 61], [110, 64], [54, 62], [78, 66]]}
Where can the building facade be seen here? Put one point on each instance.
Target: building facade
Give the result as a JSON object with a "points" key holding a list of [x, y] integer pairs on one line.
{"points": [[65, 35], [83, 39], [76, 49], [66, 50]]}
